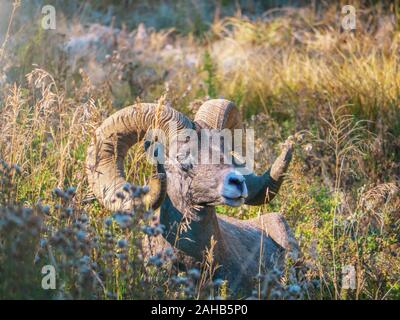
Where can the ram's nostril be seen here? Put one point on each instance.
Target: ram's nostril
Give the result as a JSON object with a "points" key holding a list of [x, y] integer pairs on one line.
{"points": [[235, 180]]}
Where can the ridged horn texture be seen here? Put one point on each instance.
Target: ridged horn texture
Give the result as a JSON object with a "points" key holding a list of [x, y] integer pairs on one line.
{"points": [[107, 151], [223, 114], [218, 114]]}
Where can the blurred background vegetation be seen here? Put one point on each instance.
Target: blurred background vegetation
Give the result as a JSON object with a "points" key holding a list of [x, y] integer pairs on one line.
{"points": [[290, 68]]}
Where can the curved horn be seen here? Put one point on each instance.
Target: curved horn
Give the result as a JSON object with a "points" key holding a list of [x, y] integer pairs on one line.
{"points": [[107, 151], [223, 114]]}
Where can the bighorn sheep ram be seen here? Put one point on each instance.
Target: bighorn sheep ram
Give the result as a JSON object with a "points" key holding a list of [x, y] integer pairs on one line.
{"points": [[193, 190]]}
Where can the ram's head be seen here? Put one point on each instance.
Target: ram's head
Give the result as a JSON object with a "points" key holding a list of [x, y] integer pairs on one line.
{"points": [[187, 170]]}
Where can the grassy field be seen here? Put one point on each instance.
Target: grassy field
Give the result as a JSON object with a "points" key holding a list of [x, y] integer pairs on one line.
{"points": [[289, 70]]}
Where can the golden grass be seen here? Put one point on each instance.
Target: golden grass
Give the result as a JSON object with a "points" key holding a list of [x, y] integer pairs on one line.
{"points": [[288, 57]]}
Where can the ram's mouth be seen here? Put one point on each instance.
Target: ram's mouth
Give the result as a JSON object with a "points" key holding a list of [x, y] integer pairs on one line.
{"points": [[233, 202]]}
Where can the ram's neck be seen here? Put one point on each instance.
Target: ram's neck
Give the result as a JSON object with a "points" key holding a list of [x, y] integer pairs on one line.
{"points": [[194, 238]]}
